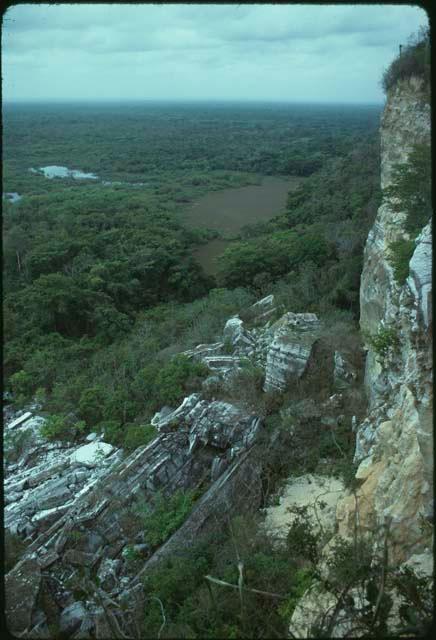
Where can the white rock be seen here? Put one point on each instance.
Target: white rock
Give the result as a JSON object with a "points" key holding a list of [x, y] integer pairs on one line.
{"points": [[268, 301], [221, 363], [174, 416], [91, 454], [161, 415], [420, 279], [233, 328], [421, 563], [20, 420]]}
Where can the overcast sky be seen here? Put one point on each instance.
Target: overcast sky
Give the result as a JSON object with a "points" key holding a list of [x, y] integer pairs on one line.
{"points": [[267, 52]]}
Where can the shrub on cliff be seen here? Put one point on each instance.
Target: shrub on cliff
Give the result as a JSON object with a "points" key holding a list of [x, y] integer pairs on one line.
{"points": [[410, 191], [165, 515], [62, 427], [137, 435], [401, 253], [168, 384], [384, 342]]}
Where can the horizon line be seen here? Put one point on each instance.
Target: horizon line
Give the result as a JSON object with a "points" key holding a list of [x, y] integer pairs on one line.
{"points": [[180, 101]]}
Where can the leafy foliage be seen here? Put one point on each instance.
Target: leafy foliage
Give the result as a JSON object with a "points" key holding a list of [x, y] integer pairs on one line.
{"points": [[195, 608], [58, 427], [410, 191], [99, 279], [332, 209], [137, 435], [274, 255], [384, 341], [168, 384], [161, 518], [301, 539], [401, 252]]}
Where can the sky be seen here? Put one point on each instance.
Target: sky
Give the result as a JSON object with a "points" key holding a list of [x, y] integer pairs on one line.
{"points": [[282, 52]]}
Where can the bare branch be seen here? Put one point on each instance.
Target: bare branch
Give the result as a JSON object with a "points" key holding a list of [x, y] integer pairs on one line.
{"points": [[222, 583], [383, 574], [164, 620]]}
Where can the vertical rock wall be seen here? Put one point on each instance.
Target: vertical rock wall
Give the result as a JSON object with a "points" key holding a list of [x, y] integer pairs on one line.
{"points": [[394, 443]]}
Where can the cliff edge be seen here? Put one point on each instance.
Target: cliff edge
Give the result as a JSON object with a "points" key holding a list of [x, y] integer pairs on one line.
{"points": [[394, 446]]}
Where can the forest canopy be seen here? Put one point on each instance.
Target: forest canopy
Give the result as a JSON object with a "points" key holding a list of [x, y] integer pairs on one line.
{"points": [[100, 285]]}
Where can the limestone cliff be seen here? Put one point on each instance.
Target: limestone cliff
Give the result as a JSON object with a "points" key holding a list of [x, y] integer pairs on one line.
{"points": [[394, 443], [393, 501]]}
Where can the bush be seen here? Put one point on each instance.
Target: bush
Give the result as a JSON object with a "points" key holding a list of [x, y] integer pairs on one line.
{"points": [[178, 378], [137, 435], [164, 515], [59, 427], [303, 580], [410, 191], [21, 384], [274, 254], [401, 253], [384, 341], [350, 562], [243, 387], [91, 405], [168, 384], [301, 541], [196, 608], [112, 431], [417, 594]]}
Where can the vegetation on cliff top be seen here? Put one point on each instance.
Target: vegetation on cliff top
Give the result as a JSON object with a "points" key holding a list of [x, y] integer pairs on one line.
{"points": [[410, 191], [413, 60]]}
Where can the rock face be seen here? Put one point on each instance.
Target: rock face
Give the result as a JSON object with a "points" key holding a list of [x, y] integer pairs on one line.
{"points": [[290, 349], [48, 479], [420, 280], [394, 446], [76, 505], [21, 589], [90, 454], [394, 443]]}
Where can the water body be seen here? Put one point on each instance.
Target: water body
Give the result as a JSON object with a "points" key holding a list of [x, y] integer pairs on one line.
{"points": [[55, 171], [230, 209], [12, 197]]}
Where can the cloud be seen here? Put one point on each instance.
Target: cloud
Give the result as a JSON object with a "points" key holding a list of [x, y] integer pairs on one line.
{"points": [[251, 51]]}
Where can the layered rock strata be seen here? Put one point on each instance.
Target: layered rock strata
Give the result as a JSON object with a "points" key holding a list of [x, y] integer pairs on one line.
{"points": [[394, 443], [76, 508]]}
